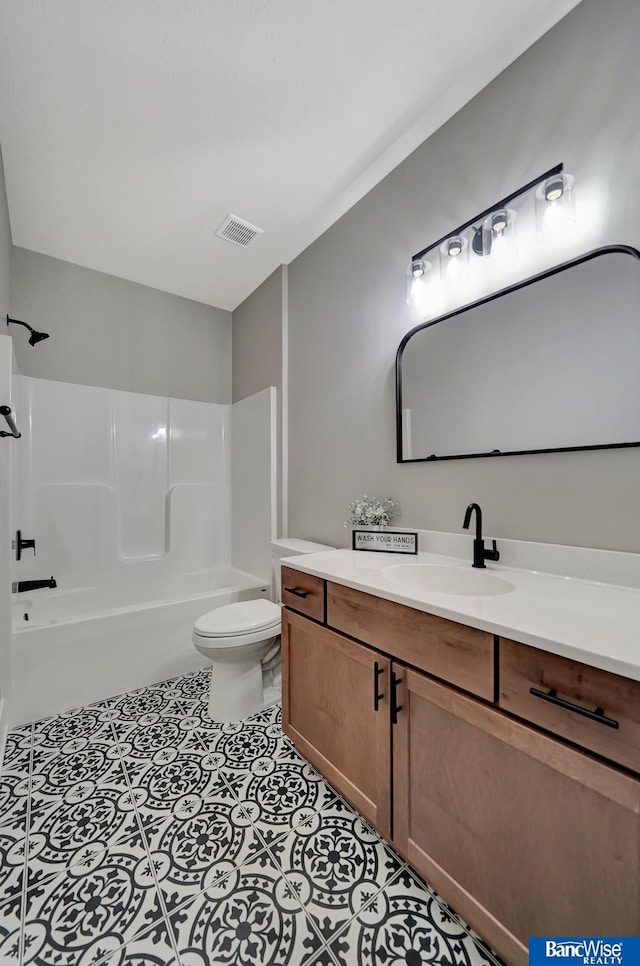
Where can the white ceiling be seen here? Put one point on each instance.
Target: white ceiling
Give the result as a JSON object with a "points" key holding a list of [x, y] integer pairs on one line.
{"points": [[129, 128]]}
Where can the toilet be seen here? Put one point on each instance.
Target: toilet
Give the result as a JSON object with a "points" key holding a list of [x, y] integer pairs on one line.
{"points": [[242, 640]]}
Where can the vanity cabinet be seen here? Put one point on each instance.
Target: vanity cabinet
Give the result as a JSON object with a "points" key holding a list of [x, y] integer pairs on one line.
{"points": [[521, 834], [332, 712], [506, 810]]}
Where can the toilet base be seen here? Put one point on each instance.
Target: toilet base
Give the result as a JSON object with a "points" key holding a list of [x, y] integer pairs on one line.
{"points": [[271, 696], [224, 702], [236, 690]]}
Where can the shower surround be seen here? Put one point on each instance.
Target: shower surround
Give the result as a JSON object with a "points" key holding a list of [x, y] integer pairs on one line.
{"points": [[128, 497]]}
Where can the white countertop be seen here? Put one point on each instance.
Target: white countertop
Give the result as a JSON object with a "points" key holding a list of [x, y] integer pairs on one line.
{"points": [[585, 620]]}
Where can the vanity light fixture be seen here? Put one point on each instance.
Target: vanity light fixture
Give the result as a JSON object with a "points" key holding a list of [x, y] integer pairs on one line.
{"points": [[554, 188], [454, 247], [454, 254], [417, 272], [495, 228], [499, 221], [555, 208], [492, 232], [480, 245]]}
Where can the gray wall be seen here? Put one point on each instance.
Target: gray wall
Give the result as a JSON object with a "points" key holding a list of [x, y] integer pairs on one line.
{"points": [[257, 339], [572, 97], [5, 251], [109, 332]]}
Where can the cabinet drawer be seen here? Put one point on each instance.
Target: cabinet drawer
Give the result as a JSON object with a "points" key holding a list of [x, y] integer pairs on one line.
{"points": [[303, 593], [461, 655], [523, 668]]}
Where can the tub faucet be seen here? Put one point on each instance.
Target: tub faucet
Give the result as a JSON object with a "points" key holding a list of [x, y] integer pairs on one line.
{"points": [[479, 552], [18, 586]]}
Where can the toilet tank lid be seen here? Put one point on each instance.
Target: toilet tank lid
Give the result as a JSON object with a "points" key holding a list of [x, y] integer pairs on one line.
{"points": [[290, 546]]}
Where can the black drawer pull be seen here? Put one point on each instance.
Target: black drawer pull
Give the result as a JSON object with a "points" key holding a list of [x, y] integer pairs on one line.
{"points": [[395, 707], [377, 671], [597, 715], [298, 593]]}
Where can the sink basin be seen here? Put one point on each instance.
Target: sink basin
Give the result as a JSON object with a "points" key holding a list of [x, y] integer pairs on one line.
{"points": [[447, 580]]}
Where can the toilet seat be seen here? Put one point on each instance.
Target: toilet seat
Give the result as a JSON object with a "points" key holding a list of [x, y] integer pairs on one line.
{"points": [[239, 620]]}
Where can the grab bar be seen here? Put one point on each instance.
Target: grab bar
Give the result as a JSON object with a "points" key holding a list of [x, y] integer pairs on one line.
{"points": [[8, 415]]}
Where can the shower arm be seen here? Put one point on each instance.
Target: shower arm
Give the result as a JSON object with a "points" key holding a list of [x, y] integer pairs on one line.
{"points": [[18, 322]]}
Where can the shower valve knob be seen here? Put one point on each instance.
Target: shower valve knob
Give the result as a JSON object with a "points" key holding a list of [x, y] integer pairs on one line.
{"points": [[19, 545]]}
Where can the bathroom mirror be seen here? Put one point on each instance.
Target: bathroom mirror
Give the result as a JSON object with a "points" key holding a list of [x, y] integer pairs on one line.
{"points": [[549, 364]]}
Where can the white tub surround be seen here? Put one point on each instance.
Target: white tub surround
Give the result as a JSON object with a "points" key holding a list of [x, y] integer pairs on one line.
{"points": [[254, 482], [595, 621], [109, 482], [128, 498]]}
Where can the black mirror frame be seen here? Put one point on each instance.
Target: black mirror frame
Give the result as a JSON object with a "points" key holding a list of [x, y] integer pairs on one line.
{"points": [[564, 266]]}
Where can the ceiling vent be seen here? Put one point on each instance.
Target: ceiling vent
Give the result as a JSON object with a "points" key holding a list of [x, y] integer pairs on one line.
{"points": [[238, 231]]}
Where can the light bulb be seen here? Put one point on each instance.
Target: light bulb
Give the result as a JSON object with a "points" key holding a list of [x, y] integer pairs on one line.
{"points": [[499, 222], [555, 209], [554, 188], [417, 296], [556, 221], [454, 269]]}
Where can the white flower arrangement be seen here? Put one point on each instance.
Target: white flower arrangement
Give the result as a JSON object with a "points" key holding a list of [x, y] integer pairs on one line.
{"points": [[368, 511]]}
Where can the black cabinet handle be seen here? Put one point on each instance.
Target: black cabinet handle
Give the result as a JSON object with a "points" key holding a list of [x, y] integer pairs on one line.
{"points": [[395, 707], [597, 715], [298, 593], [377, 671]]}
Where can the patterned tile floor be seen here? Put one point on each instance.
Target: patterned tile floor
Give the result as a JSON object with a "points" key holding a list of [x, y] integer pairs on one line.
{"points": [[138, 832]]}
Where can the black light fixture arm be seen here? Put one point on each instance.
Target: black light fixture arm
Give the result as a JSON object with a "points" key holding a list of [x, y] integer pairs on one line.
{"points": [[503, 203]]}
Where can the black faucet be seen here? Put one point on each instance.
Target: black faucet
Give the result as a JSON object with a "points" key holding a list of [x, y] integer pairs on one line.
{"points": [[18, 586], [479, 552]]}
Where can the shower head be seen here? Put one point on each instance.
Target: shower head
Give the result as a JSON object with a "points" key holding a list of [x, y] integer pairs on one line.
{"points": [[35, 337]]}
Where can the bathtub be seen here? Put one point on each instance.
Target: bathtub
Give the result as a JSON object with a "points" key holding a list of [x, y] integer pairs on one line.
{"points": [[74, 647]]}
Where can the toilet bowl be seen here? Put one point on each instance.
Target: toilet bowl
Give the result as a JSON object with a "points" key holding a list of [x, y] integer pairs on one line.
{"points": [[242, 640], [236, 638]]}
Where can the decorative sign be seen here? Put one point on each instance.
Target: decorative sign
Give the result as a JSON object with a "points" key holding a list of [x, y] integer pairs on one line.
{"points": [[385, 541]]}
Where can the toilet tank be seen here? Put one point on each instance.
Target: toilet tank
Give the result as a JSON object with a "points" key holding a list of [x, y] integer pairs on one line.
{"points": [[289, 547]]}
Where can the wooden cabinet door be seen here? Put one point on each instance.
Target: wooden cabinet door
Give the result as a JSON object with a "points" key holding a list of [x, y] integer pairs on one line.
{"points": [[520, 833], [328, 711]]}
